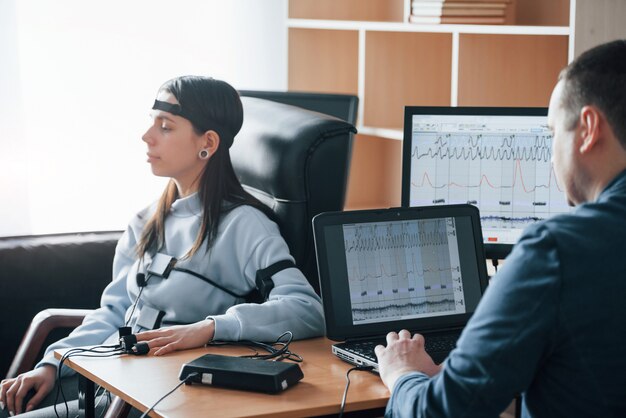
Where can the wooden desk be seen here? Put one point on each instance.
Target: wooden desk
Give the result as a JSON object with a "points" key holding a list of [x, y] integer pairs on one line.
{"points": [[141, 381]]}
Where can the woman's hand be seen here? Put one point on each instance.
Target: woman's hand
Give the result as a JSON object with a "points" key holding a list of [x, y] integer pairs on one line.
{"points": [[179, 337], [13, 391]]}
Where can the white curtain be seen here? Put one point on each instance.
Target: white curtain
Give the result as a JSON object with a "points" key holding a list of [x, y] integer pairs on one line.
{"points": [[77, 80]]}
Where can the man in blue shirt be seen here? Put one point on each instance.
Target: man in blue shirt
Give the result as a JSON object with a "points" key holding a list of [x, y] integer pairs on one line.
{"points": [[552, 324]]}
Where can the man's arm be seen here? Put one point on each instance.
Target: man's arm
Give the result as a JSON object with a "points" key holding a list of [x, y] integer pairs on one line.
{"points": [[404, 354], [500, 349]]}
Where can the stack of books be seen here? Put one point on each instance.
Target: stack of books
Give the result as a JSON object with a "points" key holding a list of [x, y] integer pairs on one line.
{"points": [[486, 12]]}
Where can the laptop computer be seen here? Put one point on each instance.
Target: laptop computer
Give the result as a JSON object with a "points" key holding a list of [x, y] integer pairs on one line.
{"points": [[422, 269]]}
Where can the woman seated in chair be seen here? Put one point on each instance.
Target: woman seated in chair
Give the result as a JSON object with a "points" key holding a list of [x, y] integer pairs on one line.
{"points": [[185, 263]]}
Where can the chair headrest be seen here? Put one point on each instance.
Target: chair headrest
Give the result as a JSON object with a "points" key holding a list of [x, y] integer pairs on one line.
{"points": [[275, 142], [296, 162]]}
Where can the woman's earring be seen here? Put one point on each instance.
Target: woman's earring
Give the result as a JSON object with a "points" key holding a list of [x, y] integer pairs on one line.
{"points": [[204, 154]]}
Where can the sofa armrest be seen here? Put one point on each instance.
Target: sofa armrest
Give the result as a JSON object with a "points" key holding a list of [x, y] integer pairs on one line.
{"points": [[40, 327]]}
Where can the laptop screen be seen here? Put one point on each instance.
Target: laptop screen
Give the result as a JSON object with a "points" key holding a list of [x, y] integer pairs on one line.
{"points": [[382, 270]]}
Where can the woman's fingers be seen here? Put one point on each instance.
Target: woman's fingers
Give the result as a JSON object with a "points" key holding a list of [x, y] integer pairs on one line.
{"points": [[4, 386], [167, 349], [36, 399], [42, 389], [159, 342], [10, 394], [151, 335], [25, 385], [39, 382]]}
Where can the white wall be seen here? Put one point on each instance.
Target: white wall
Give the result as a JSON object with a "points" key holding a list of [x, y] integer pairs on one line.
{"points": [[597, 22], [77, 80]]}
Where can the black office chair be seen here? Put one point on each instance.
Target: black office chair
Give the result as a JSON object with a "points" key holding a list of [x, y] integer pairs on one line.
{"points": [[294, 160], [342, 106]]}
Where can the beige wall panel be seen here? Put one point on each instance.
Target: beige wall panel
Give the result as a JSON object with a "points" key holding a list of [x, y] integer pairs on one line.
{"points": [[369, 10], [542, 12], [404, 68], [324, 61], [599, 21], [375, 173], [509, 70]]}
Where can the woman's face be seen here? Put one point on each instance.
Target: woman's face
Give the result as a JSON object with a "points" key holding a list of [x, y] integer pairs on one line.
{"points": [[173, 147]]}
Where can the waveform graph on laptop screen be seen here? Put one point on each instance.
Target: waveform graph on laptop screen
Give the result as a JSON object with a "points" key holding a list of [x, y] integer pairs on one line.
{"points": [[500, 163], [403, 269]]}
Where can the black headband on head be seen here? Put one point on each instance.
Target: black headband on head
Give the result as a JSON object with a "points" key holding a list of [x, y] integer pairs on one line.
{"points": [[204, 124]]}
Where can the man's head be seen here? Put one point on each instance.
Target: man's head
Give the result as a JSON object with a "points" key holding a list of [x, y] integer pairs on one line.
{"points": [[588, 117]]}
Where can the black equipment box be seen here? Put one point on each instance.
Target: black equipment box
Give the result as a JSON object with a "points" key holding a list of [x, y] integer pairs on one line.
{"points": [[242, 373]]}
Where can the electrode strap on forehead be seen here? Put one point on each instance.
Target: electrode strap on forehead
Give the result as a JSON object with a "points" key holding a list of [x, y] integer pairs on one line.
{"points": [[172, 108], [203, 123]]}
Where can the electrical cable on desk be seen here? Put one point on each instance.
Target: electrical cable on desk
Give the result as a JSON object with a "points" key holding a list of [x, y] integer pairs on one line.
{"points": [[345, 391], [191, 376], [277, 354], [109, 351]]}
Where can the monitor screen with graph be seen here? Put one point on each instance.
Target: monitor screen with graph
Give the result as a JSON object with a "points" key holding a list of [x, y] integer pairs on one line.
{"points": [[498, 159]]}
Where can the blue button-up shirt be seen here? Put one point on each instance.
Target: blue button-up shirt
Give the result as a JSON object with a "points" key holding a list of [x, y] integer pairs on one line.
{"points": [[551, 326]]}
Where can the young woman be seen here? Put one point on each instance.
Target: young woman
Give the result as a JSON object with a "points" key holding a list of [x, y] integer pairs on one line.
{"points": [[217, 235]]}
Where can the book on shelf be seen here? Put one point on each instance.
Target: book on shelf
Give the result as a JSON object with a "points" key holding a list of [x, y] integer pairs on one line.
{"points": [[465, 2], [468, 20], [431, 11], [458, 5], [489, 12]]}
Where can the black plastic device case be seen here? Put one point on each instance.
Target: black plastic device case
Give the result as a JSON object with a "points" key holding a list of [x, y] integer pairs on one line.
{"points": [[242, 373]]}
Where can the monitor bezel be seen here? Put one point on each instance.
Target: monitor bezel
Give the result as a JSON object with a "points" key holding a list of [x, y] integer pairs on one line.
{"points": [[343, 331], [492, 251]]}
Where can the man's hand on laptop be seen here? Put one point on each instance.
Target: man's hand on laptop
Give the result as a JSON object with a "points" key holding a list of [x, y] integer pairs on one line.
{"points": [[403, 354]]}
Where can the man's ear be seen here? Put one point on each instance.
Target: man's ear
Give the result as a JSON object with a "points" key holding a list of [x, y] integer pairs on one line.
{"points": [[589, 128], [211, 141]]}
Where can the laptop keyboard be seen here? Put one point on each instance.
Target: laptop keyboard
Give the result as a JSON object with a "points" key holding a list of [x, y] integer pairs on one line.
{"points": [[437, 346]]}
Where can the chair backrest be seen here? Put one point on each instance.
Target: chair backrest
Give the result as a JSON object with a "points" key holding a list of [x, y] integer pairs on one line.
{"points": [[342, 106], [296, 162]]}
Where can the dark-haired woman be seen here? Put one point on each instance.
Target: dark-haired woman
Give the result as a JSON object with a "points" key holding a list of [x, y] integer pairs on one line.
{"points": [[211, 226]]}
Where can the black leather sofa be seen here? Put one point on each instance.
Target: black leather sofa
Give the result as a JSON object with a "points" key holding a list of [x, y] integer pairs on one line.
{"points": [[49, 271]]}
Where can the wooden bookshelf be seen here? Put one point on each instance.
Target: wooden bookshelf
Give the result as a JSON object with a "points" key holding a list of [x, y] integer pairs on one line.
{"points": [[509, 70], [369, 48], [371, 157], [323, 61], [358, 10], [423, 81]]}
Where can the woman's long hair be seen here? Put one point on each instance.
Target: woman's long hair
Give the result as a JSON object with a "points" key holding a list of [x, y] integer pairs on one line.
{"points": [[212, 105]]}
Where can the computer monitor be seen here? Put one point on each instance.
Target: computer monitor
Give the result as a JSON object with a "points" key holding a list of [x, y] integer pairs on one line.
{"points": [[498, 159]]}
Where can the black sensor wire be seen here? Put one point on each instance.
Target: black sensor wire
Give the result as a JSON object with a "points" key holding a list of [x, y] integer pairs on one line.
{"points": [[277, 351], [137, 298], [345, 391], [190, 376], [98, 351]]}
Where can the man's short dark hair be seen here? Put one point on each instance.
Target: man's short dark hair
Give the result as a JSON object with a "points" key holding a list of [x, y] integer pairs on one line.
{"points": [[598, 78]]}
